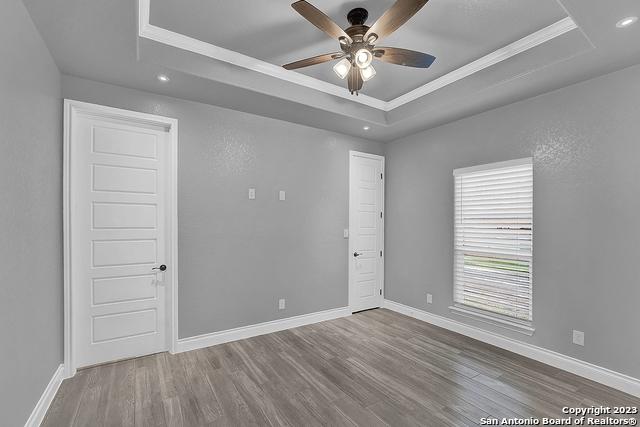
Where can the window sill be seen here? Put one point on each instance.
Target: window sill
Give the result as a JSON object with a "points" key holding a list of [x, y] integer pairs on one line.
{"points": [[512, 325]]}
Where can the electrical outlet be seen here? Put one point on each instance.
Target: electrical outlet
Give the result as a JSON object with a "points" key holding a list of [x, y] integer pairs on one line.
{"points": [[578, 337], [429, 299], [282, 195], [281, 304], [252, 194]]}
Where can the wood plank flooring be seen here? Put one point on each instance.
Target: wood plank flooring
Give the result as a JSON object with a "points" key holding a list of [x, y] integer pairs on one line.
{"points": [[375, 368]]}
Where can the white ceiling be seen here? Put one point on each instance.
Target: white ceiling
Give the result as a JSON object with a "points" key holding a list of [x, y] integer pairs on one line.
{"points": [[99, 40]]}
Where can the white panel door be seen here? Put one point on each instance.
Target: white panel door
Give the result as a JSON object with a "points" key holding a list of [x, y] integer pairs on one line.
{"points": [[119, 178], [366, 231]]}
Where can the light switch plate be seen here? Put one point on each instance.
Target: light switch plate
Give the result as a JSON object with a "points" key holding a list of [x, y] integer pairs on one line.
{"points": [[429, 299], [345, 234], [281, 304], [282, 195], [252, 193], [578, 337]]}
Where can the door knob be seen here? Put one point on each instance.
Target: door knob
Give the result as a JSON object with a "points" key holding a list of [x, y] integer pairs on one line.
{"points": [[356, 254], [161, 268]]}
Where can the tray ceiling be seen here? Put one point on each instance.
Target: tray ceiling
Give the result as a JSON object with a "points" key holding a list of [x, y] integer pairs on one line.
{"points": [[457, 32], [500, 51]]}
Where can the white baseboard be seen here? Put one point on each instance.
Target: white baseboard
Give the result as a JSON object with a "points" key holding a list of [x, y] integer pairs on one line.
{"points": [[38, 413], [584, 369], [215, 338]]}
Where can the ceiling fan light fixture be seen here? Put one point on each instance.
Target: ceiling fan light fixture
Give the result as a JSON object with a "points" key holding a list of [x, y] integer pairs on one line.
{"points": [[357, 42], [342, 68], [367, 73], [363, 58]]}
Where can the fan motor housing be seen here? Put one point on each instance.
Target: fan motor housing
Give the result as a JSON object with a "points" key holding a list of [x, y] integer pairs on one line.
{"points": [[356, 32], [357, 16]]}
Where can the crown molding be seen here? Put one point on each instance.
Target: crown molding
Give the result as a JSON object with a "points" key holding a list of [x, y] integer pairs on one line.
{"points": [[181, 41], [526, 43]]}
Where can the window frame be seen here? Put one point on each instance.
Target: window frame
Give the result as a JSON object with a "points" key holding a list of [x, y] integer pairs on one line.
{"points": [[487, 316]]}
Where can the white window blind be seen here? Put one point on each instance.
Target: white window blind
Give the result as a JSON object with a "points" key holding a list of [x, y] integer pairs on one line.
{"points": [[493, 238]]}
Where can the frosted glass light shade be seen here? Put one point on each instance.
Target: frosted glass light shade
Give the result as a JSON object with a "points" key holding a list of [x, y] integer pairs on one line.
{"points": [[363, 58], [367, 73], [342, 68]]}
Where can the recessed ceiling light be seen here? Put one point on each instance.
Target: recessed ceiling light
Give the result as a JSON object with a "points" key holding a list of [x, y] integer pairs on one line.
{"points": [[625, 22], [163, 78], [366, 127]]}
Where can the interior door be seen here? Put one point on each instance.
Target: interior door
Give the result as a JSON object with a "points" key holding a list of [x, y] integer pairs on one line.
{"points": [[366, 231], [119, 241]]}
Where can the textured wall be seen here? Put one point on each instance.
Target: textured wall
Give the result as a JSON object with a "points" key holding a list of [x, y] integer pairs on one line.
{"points": [[238, 256], [584, 140], [30, 215]]}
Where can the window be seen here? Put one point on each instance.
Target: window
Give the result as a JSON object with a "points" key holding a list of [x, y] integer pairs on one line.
{"points": [[493, 240]]}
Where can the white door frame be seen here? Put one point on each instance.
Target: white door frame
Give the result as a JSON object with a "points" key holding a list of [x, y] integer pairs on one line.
{"points": [[71, 110], [352, 155]]}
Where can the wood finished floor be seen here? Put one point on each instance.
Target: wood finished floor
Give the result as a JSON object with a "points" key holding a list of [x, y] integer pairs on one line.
{"points": [[374, 368]]}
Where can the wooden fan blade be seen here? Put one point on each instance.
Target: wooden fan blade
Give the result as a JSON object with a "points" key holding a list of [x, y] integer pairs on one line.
{"points": [[313, 61], [394, 17], [319, 19], [354, 80], [406, 57]]}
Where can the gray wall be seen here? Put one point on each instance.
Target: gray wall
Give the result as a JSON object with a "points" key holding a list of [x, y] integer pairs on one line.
{"points": [[585, 142], [238, 256], [30, 215]]}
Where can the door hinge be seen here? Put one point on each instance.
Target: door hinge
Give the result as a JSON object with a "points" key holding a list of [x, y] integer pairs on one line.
{"points": [[380, 253], [380, 291], [381, 176], [380, 214]]}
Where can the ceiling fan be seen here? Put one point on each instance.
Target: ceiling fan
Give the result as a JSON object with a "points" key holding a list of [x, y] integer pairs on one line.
{"points": [[357, 43]]}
